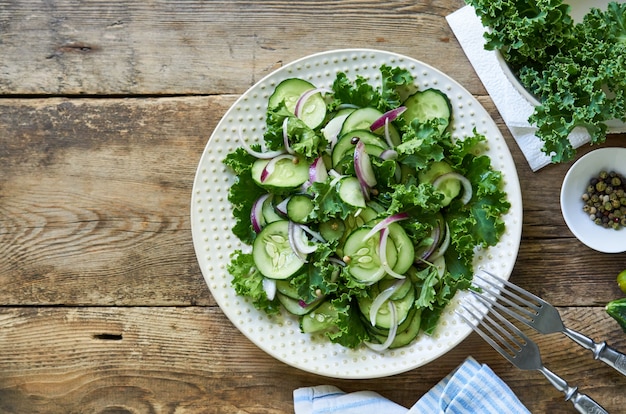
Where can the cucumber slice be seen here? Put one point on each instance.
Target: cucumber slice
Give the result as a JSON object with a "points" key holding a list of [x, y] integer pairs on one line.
{"points": [[363, 263], [450, 188], [285, 287], [299, 208], [363, 118], [350, 192], [405, 251], [386, 283], [427, 105], [269, 211], [295, 307], [332, 230], [346, 143], [290, 90], [323, 318], [407, 335], [383, 316], [272, 252], [288, 174]]}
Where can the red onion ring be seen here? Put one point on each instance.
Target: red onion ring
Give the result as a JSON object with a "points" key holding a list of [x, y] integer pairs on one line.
{"points": [[261, 155], [392, 331], [381, 298], [256, 213], [385, 223], [387, 117]]}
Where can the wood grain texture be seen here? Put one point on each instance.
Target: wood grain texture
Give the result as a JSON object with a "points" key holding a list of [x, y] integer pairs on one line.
{"points": [[203, 47], [192, 360], [105, 109]]}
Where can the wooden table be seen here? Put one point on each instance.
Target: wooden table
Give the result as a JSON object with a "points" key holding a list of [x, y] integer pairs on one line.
{"points": [[105, 110]]}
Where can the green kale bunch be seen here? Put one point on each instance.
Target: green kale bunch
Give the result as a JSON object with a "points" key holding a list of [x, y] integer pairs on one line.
{"points": [[577, 70]]}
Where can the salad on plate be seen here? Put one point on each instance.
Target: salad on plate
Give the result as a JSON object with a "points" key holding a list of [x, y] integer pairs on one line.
{"points": [[361, 211]]}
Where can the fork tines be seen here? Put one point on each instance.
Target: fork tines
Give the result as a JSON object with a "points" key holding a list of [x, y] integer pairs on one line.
{"points": [[501, 334], [525, 304]]}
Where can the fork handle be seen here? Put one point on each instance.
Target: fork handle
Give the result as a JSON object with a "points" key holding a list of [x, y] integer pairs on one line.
{"points": [[582, 402], [601, 350]]}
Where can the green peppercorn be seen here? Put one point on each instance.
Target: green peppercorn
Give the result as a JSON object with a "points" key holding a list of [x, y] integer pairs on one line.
{"points": [[604, 200]]}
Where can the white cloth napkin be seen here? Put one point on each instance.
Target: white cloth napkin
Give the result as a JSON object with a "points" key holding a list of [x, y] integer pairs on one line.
{"points": [[514, 107], [472, 388]]}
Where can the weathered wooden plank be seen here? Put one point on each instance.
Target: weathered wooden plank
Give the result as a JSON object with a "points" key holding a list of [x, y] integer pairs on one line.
{"points": [[64, 47], [192, 359], [95, 199]]}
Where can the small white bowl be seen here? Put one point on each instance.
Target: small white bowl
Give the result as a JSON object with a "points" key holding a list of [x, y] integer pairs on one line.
{"points": [[574, 186]]}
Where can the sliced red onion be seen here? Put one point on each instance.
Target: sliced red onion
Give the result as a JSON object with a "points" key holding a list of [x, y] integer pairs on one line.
{"points": [[441, 250], [336, 177], [282, 206], [286, 136], [436, 236], [261, 155], [269, 167], [467, 185], [382, 253], [393, 330], [333, 128], [387, 117], [305, 97], [385, 223], [382, 298], [363, 169], [387, 134], [256, 213], [269, 286], [389, 154], [440, 265], [317, 171], [298, 241], [337, 261], [312, 233]]}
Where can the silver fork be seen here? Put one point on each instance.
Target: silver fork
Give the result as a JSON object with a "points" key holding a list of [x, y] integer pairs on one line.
{"points": [[522, 352], [542, 316]]}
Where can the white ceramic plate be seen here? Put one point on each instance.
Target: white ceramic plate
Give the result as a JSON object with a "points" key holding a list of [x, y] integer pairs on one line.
{"points": [[574, 185], [211, 219]]}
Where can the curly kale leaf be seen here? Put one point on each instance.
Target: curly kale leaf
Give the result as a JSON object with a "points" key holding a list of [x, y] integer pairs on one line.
{"points": [[578, 71]]}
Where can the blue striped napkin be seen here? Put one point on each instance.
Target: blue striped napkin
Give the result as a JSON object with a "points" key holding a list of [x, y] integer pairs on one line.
{"points": [[470, 389]]}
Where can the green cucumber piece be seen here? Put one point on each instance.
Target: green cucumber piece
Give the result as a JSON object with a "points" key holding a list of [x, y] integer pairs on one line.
{"points": [[405, 250], [333, 229], [401, 292], [363, 263], [294, 306], [363, 118], [299, 208], [383, 316], [323, 318], [290, 90], [269, 212], [285, 287], [272, 253], [617, 310], [428, 105], [288, 174], [449, 188], [407, 335], [350, 192], [346, 143]]}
